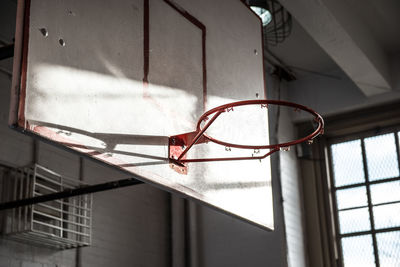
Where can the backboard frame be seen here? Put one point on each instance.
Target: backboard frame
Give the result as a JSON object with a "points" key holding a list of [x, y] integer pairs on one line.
{"points": [[18, 122]]}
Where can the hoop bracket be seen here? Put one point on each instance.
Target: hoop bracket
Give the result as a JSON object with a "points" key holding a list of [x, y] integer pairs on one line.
{"points": [[177, 145]]}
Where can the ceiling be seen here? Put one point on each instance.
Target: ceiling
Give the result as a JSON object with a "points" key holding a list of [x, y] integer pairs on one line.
{"points": [[302, 54], [358, 37], [382, 18]]}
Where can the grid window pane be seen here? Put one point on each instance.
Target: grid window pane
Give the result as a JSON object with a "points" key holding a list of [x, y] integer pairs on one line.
{"points": [[381, 157], [353, 194], [356, 220], [347, 163], [387, 216], [352, 197], [385, 192], [389, 248], [358, 251]]}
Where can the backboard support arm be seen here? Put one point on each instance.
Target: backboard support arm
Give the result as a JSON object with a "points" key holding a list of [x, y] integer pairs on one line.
{"points": [[70, 193]]}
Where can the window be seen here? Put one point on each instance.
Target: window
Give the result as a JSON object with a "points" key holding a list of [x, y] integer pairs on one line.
{"points": [[365, 173], [263, 13]]}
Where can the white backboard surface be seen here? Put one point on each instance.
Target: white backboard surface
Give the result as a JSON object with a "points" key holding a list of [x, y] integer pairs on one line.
{"points": [[115, 79]]}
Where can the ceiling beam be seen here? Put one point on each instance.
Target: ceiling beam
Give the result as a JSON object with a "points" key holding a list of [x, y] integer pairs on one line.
{"points": [[344, 37]]}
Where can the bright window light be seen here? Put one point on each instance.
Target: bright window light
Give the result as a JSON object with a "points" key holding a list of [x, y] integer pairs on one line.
{"points": [[263, 13]]}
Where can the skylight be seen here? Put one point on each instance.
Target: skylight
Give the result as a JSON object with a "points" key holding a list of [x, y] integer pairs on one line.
{"points": [[263, 13]]}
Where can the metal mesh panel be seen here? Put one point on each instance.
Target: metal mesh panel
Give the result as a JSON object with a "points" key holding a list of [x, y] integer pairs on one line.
{"points": [[380, 192], [386, 216], [358, 251], [389, 248], [355, 220], [385, 192], [381, 157], [352, 197], [347, 163]]}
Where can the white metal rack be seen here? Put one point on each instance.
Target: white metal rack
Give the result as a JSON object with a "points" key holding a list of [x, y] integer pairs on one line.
{"points": [[63, 223]]}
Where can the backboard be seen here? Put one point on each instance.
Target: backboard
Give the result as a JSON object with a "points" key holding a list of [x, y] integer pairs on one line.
{"points": [[114, 80]]}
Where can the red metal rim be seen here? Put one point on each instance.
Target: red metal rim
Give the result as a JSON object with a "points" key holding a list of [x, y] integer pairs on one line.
{"points": [[319, 130]]}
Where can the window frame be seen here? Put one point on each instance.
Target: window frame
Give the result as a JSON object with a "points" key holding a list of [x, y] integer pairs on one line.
{"points": [[321, 229], [395, 130]]}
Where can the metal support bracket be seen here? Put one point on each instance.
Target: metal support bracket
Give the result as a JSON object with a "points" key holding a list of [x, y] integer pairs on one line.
{"points": [[178, 147], [70, 193]]}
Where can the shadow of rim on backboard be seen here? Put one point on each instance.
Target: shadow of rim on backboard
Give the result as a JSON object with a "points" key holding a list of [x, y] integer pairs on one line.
{"points": [[109, 140]]}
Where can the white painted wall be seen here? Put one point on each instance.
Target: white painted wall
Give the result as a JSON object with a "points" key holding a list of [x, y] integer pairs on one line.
{"points": [[288, 179], [291, 194]]}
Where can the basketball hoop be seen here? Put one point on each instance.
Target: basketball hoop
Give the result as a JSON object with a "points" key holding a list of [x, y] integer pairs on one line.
{"points": [[179, 145]]}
